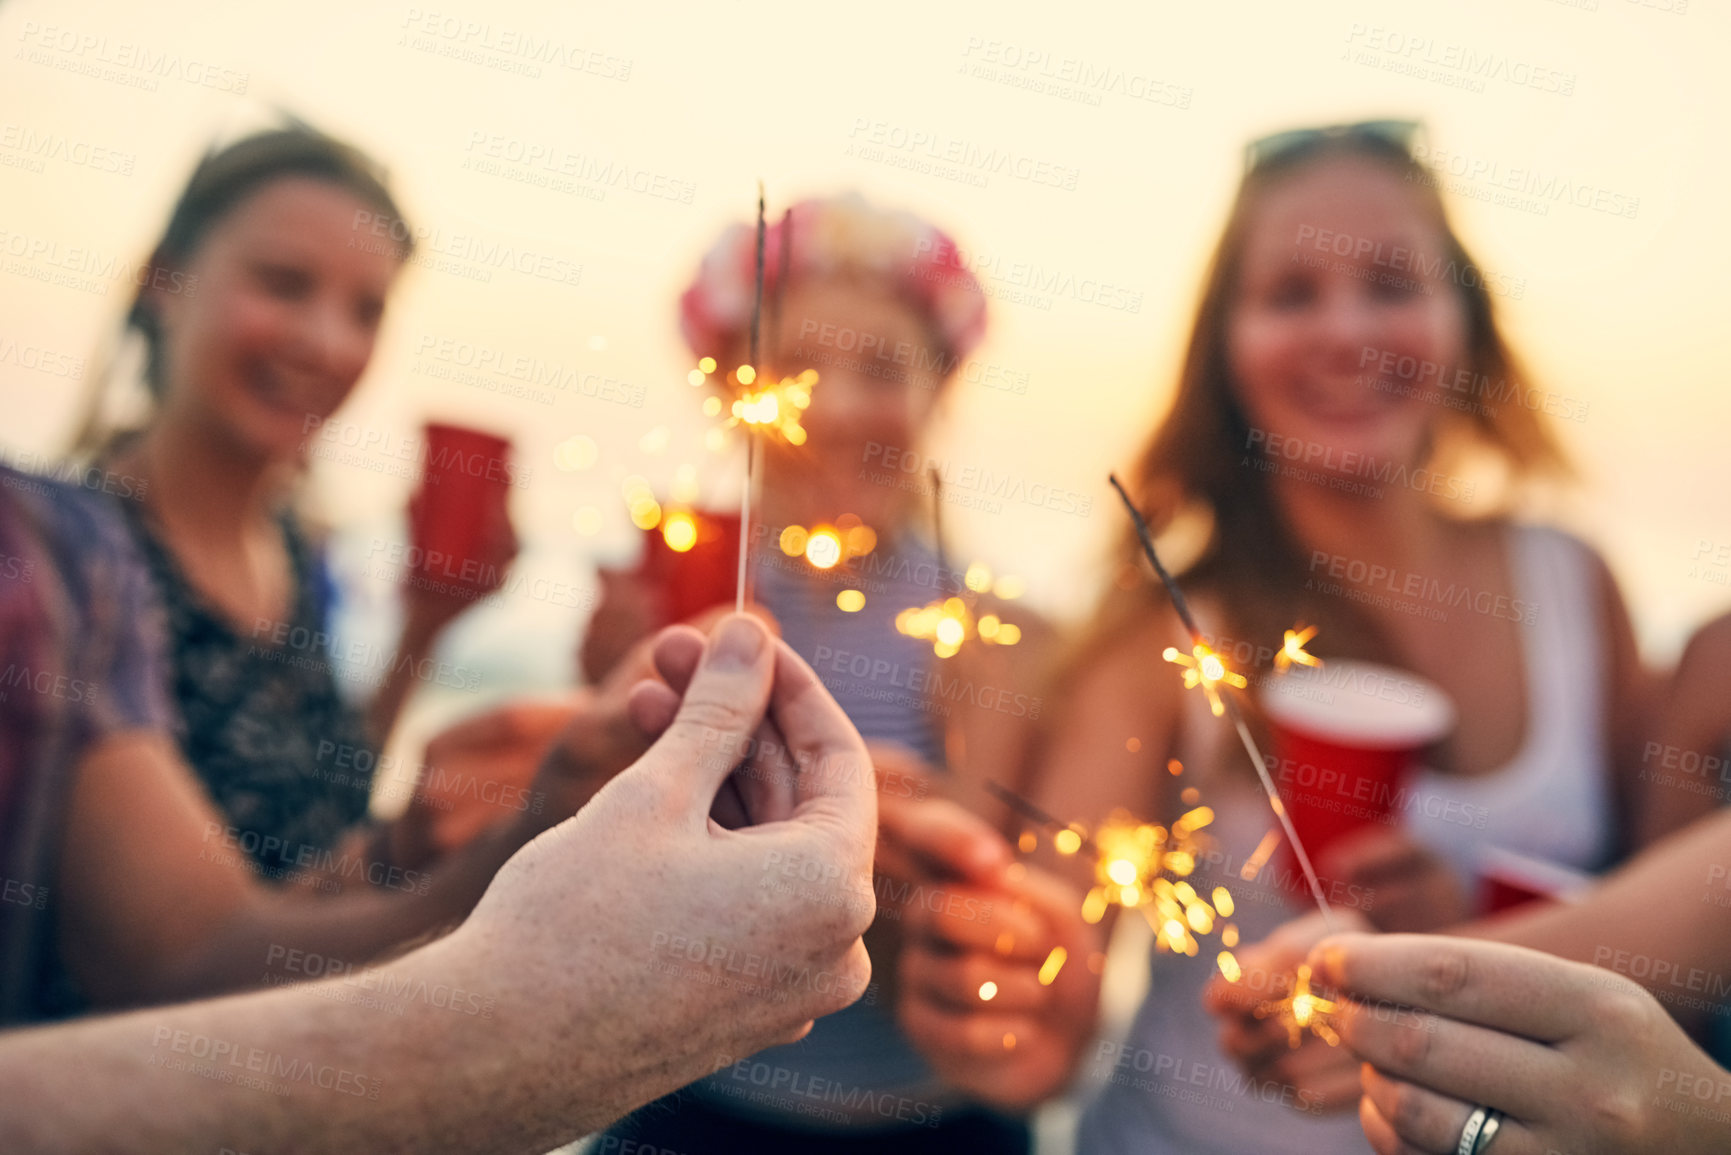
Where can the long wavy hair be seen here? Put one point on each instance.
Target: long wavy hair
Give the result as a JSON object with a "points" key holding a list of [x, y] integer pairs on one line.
{"points": [[1192, 473]]}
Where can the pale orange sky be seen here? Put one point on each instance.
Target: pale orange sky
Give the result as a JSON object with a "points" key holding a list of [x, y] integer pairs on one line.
{"points": [[1620, 314]]}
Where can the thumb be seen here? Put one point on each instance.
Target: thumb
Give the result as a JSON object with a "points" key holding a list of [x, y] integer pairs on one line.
{"points": [[720, 710]]}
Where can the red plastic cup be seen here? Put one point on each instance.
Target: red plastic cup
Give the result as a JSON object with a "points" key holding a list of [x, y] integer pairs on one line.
{"points": [[1508, 880], [1345, 736], [693, 580], [465, 486]]}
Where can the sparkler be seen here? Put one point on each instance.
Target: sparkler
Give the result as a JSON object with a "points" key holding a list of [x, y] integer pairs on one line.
{"points": [[762, 407], [1137, 865], [948, 623], [1301, 1010], [1292, 652]]}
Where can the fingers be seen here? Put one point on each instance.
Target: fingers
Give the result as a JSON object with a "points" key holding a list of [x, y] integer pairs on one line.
{"points": [[652, 706], [1469, 1062], [1325, 1079], [1505, 987], [676, 653], [961, 917], [978, 1034], [767, 784], [939, 837], [722, 706], [959, 982], [834, 784], [1424, 1120], [1384, 1140]]}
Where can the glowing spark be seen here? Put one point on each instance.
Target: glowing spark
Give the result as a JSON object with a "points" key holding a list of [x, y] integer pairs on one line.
{"points": [[1259, 857], [1203, 667], [1145, 866], [1229, 967], [949, 623], [1292, 650], [679, 531], [823, 549], [1302, 1010], [1067, 841], [988, 991], [775, 408], [1053, 964]]}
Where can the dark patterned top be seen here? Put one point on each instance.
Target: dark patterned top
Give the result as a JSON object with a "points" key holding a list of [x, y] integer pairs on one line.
{"points": [[261, 722], [80, 659]]}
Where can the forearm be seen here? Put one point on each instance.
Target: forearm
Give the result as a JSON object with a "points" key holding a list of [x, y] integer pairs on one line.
{"points": [[1663, 920], [419, 638], [291, 935], [301, 1070]]}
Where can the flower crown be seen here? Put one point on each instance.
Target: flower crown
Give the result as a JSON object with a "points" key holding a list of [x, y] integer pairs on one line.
{"points": [[834, 236]]}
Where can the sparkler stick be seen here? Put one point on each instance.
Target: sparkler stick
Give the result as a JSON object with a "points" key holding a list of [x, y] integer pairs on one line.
{"points": [[750, 439], [745, 523], [1027, 808], [757, 299], [1230, 705]]}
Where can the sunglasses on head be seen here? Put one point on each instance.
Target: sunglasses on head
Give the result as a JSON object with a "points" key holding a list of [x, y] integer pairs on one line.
{"points": [[1399, 133]]}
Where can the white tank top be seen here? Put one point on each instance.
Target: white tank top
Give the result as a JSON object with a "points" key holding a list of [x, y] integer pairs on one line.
{"points": [[1169, 1088]]}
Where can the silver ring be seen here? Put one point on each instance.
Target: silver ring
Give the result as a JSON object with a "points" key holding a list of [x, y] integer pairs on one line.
{"points": [[1493, 1124], [1469, 1140]]}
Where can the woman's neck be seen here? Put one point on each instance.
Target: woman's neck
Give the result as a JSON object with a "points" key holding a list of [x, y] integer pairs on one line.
{"points": [[202, 486], [1396, 528]]}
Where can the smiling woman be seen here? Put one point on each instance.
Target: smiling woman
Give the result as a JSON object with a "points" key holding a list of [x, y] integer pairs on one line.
{"points": [[259, 315]]}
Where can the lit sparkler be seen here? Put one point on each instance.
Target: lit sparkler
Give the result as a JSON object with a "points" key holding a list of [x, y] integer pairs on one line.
{"points": [[948, 623], [763, 409], [1292, 652], [1140, 866], [1203, 667], [1302, 1010]]}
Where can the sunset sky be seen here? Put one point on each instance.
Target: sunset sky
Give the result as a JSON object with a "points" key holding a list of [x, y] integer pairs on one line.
{"points": [[1127, 133]]}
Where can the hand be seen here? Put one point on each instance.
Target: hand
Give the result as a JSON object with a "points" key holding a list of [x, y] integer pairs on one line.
{"points": [[980, 918], [609, 727], [478, 771], [1579, 1059], [1324, 1078], [1412, 889], [612, 900], [429, 606], [628, 611]]}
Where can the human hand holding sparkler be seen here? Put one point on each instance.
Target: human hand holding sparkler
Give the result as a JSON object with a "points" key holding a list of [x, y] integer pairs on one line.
{"points": [[1570, 1057], [1278, 1024], [997, 987], [670, 870]]}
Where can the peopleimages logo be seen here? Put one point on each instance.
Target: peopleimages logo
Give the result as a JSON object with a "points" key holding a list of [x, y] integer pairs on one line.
{"points": [[967, 484]]}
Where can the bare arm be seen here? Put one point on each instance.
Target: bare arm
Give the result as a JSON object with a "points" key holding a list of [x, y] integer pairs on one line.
{"points": [[159, 903], [1664, 920], [1683, 762], [1632, 697], [590, 1020]]}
